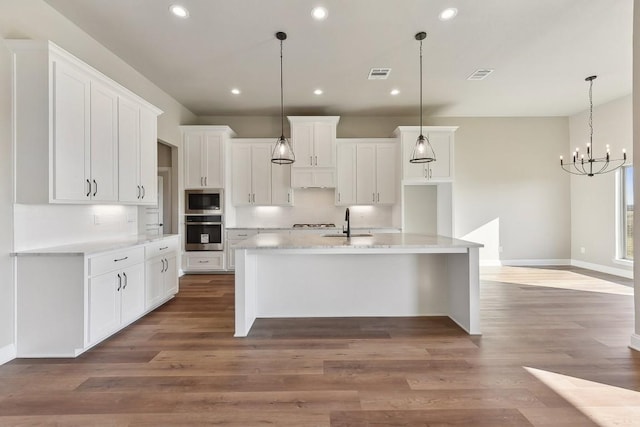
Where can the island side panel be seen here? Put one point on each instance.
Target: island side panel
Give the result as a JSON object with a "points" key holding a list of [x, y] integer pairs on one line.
{"points": [[344, 285], [245, 291], [464, 290]]}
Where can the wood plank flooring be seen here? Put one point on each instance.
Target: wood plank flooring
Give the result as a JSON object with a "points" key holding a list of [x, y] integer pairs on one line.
{"points": [[554, 348]]}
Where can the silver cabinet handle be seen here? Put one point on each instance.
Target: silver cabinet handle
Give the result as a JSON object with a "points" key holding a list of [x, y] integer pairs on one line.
{"points": [[138, 191], [253, 198], [126, 280], [95, 191], [89, 192], [243, 235], [430, 173], [288, 197], [310, 160], [374, 197], [338, 197], [143, 192], [120, 259], [316, 162], [205, 181], [378, 198], [249, 197], [119, 283], [163, 248], [167, 261], [204, 261], [162, 269], [202, 181]]}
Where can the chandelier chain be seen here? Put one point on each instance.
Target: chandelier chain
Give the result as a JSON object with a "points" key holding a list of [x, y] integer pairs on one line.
{"points": [[281, 95], [591, 117], [420, 87]]}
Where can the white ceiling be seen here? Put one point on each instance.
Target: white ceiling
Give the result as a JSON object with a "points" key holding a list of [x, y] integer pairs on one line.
{"points": [[541, 51]]}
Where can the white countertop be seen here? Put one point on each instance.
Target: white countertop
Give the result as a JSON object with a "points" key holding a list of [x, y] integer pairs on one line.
{"points": [[382, 240], [90, 248]]}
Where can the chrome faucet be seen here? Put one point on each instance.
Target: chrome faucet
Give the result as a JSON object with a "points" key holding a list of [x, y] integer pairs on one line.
{"points": [[346, 218]]}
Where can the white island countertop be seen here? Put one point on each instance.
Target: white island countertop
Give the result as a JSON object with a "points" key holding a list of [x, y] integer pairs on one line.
{"points": [[375, 241]]}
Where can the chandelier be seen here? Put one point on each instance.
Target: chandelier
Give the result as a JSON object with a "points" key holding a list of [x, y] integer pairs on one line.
{"points": [[592, 165], [282, 152], [422, 151]]}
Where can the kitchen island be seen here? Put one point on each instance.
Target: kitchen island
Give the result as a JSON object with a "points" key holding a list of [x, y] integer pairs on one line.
{"points": [[399, 274]]}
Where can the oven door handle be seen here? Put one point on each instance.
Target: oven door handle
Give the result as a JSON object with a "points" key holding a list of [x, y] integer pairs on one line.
{"points": [[203, 223]]}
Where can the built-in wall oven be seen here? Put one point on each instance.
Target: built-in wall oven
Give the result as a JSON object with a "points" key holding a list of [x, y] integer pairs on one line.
{"points": [[204, 233]]}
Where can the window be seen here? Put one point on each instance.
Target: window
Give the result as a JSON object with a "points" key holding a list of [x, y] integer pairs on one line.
{"points": [[626, 213]]}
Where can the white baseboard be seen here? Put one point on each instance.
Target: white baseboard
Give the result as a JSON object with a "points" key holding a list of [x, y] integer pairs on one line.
{"points": [[7, 353], [603, 269], [635, 342], [523, 262]]}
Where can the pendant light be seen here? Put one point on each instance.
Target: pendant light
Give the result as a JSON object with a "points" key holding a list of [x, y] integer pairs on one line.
{"points": [[592, 165], [282, 152], [423, 151]]}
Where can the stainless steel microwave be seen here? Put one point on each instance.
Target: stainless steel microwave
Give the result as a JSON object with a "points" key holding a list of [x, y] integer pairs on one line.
{"points": [[206, 201]]}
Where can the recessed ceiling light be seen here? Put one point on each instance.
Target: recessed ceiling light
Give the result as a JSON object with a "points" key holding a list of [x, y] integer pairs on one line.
{"points": [[179, 11], [318, 91], [319, 13], [448, 14], [394, 92], [235, 91]]}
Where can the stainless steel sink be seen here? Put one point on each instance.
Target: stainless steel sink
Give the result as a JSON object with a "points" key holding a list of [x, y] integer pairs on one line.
{"points": [[352, 235]]}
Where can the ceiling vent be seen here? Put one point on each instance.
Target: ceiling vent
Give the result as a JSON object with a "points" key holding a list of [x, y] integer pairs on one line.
{"points": [[379, 73], [480, 74]]}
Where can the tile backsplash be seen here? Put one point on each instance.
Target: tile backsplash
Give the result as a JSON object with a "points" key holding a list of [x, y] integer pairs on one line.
{"points": [[313, 205]]}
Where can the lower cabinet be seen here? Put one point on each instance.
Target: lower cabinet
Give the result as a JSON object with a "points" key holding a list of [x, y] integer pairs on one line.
{"points": [[203, 261], [68, 302]]}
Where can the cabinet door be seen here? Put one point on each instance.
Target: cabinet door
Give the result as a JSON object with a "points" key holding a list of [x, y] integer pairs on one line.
{"points": [[411, 170], [281, 185], [170, 276], [71, 133], [261, 174], [129, 189], [241, 175], [104, 143], [346, 175], [193, 152], [302, 136], [104, 305], [441, 143], [214, 174], [148, 156], [386, 177], [324, 145], [132, 293], [366, 174], [154, 282]]}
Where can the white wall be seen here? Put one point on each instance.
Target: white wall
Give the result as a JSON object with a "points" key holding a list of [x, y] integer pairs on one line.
{"points": [[635, 338], [509, 190], [593, 199], [6, 220], [44, 225]]}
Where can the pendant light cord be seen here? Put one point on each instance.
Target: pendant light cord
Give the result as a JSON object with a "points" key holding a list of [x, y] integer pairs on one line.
{"points": [[420, 87], [281, 96], [591, 118]]}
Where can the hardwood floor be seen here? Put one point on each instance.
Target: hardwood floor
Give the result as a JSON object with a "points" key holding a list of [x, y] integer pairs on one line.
{"points": [[554, 348]]}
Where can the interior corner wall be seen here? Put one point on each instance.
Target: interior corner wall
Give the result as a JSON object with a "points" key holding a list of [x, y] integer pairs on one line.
{"points": [[7, 313], [635, 338], [593, 199]]}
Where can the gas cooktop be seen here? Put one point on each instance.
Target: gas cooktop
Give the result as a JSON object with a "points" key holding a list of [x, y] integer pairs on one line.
{"points": [[314, 225]]}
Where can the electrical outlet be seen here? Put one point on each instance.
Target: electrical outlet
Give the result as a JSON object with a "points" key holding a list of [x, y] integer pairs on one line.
{"points": [[582, 250], [500, 249], [97, 220]]}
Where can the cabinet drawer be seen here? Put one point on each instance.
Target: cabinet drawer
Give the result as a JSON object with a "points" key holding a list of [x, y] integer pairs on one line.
{"points": [[100, 264], [204, 261], [240, 234], [161, 247]]}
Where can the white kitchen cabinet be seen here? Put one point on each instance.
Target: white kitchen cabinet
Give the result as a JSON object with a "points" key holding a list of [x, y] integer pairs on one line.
{"points": [[235, 236], [251, 173], [441, 139], [67, 129], [137, 159], [314, 144], [204, 154], [91, 294], [161, 271], [281, 192], [202, 261], [346, 174], [367, 171]]}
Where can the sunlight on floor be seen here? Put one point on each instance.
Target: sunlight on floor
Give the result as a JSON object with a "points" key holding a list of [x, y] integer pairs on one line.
{"points": [[552, 278], [606, 405]]}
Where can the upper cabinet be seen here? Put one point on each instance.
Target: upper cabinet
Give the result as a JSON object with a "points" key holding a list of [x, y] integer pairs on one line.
{"points": [[314, 144], [367, 172], [255, 180], [68, 131], [441, 139], [204, 154]]}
